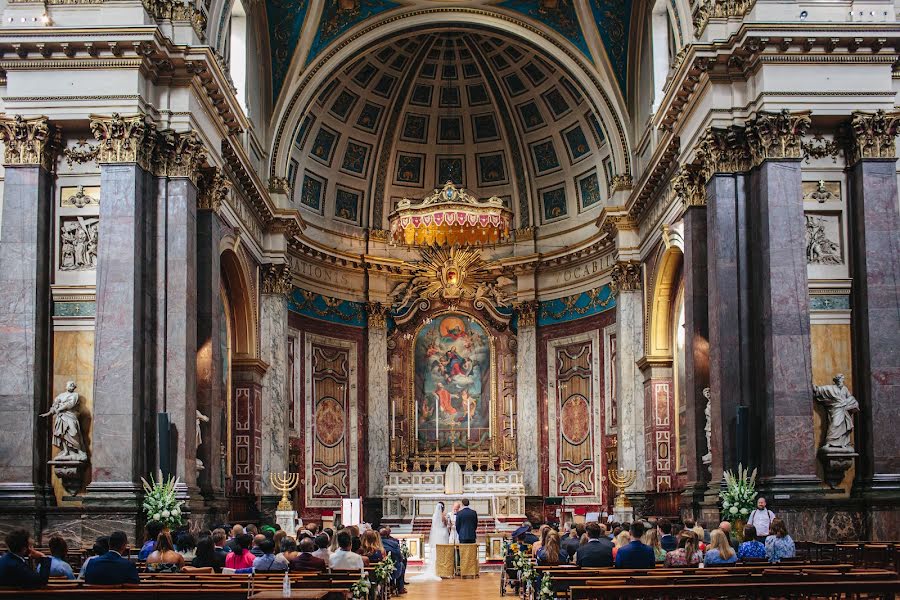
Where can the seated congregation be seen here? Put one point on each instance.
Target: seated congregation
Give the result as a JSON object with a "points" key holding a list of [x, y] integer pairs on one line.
{"points": [[327, 560]]}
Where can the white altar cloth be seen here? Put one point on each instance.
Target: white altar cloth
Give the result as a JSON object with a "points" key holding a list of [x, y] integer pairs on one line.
{"points": [[490, 493]]}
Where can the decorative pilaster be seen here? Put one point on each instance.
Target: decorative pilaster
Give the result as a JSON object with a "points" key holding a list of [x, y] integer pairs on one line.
{"points": [[25, 260], [526, 395], [378, 405], [629, 378], [876, 306], [273, 332]]}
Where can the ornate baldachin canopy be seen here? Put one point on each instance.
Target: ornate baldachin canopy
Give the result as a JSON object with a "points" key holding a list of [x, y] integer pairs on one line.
{"points": [[450, 217]]}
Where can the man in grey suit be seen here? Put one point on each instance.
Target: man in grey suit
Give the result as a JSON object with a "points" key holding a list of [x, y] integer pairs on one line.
{"points": [[467, 524]]}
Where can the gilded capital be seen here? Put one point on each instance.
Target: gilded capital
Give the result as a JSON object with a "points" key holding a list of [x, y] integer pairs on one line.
{"points": [[527, 313], [377, 313], [722, 151], [124, 139], [622, 181], [689, 186], [179, 154], [776, 136], [872, 135], [212, 190], [716, 9], [27, 141], [625, 276], [277, 279], [280, 185]]}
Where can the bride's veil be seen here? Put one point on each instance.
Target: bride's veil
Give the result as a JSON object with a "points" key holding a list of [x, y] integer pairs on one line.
{"points": [[437, 522], [436, 536]]}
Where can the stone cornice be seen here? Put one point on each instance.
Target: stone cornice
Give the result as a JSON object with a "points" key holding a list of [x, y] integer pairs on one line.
{"points": [[654, 178], [872, 136], [754, 43], [28, 141], [776, 136], [611, 222]]}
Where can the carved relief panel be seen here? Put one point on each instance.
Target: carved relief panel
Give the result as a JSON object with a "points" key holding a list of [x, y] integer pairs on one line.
{"points": [[826, 231], [77, 234]]}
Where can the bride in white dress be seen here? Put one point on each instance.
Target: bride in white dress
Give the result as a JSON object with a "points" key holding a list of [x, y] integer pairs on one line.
{"points": [[438, 535]]}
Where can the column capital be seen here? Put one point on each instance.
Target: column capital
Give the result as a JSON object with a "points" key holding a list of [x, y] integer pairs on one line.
{"points": [[377, 313], [625, 276], [527, 311], [179, 154], [280, 185], [872, 136], [722, 150], [277, 279], [688, 184], [776, 136], [28, 141], [128, 139], [213, 186]]}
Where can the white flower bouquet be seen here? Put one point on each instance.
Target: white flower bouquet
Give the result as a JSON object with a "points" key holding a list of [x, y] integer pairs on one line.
{"points": [[739, 496], [361, 588], [160, 503]]}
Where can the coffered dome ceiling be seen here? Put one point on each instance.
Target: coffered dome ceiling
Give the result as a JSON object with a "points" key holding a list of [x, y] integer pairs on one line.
{"points": [[484, 111]]}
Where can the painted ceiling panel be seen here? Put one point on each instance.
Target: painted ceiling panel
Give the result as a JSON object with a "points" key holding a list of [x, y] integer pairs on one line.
{"points": [[335, 21], [285, 22], [613, 19]]}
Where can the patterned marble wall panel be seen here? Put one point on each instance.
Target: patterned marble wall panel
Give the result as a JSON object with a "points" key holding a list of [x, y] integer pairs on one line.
{"points": [[331, 420], [246, 450], [831, 354], [73, 360], [574, 417]]}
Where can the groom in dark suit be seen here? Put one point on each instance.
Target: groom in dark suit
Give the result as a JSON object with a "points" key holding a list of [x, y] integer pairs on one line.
{"points": [[466, 523]]}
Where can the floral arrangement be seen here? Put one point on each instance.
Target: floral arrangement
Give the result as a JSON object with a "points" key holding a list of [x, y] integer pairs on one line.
{"points": [[739, 494], [384, 569], [160, 503], [361, 588], [522, 563], [546, 591], [404, 549]]}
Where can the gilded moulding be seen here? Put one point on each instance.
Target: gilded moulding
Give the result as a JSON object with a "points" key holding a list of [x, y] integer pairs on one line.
{"points": [[527, 313], [872, 136], [27, 141]]}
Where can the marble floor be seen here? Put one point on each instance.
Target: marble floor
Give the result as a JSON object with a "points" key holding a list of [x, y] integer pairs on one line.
{"points": [[483, 588]]}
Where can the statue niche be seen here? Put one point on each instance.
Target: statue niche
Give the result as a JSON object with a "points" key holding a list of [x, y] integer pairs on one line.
{"points": [[71, 458], [837, 452]]}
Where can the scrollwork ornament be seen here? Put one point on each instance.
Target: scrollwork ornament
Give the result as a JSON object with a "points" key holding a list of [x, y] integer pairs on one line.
{"points": [[872, 136], [27, 141], [777, 136]]}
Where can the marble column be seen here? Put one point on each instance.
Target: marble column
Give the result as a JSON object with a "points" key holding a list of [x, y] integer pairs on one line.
{"points": [[119, 441], [526, 397], [273, 335], [210, 390], [780, 304], [25, 258], [876, 316], [378, 409], [697, 347], [630, 379]]}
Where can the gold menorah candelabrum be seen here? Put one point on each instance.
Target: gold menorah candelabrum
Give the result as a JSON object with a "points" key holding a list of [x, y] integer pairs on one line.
{"points": [[622, 479], [284, 482]]}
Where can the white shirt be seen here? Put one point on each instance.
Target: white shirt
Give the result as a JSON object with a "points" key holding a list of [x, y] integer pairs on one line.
{"points": [[342, 559], [324, 554], [761, 519]]}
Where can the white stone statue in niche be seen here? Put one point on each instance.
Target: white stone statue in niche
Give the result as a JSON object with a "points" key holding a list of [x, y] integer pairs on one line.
{"points": [[199, 440], [66, 428], [78, 244], [841, 406], [707, 458]]}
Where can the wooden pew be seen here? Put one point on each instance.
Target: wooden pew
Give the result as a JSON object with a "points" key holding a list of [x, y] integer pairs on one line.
{"points": [[761, 591]]}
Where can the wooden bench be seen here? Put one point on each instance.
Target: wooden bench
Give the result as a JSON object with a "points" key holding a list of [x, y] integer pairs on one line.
{"points": [[760, 591]]}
